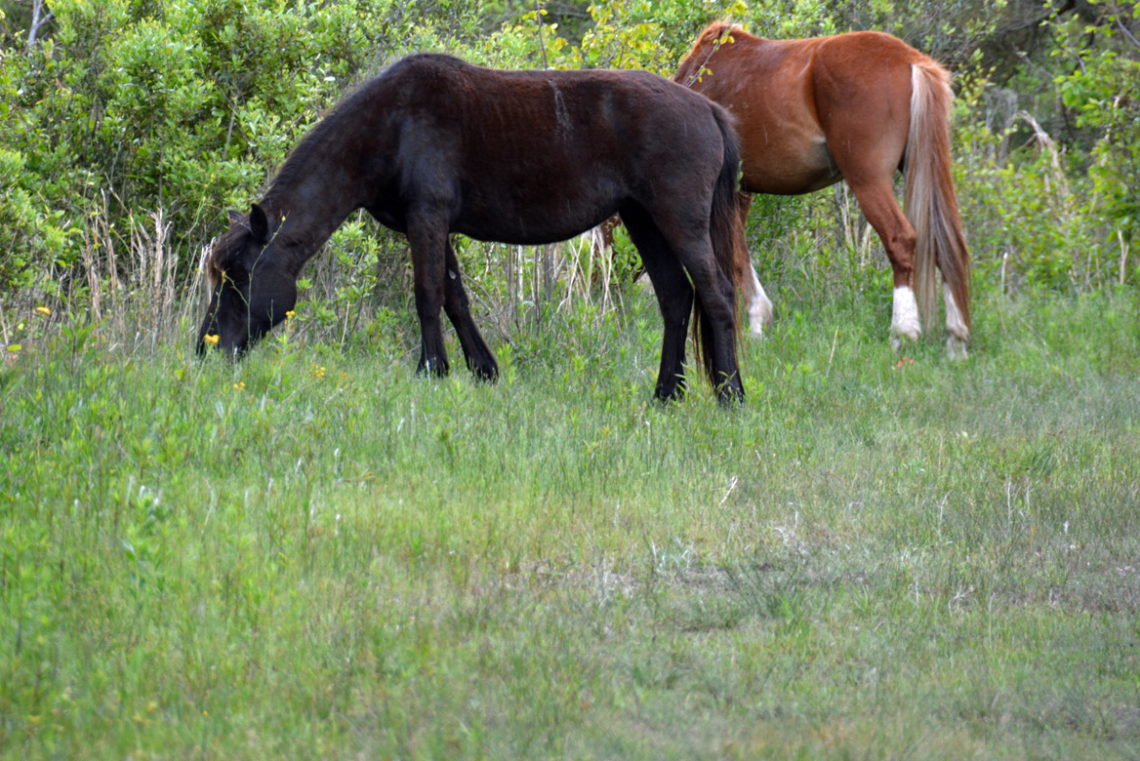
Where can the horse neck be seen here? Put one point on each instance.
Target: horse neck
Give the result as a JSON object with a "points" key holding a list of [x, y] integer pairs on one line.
{"points": [[310, 202]]}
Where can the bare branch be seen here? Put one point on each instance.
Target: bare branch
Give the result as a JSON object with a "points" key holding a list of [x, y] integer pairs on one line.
{"points": [[40, 16], [1036, 21], [1127, 34]]}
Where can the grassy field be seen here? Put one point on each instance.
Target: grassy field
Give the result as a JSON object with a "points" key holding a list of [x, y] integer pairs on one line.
{"points": [[315, 554]]}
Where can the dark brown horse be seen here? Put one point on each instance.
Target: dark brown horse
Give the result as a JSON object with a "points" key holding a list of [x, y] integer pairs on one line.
{"points": [[435, 146], [857, 107]]}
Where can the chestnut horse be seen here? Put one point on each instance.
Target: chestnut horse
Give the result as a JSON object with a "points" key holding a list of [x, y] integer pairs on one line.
{"points": [[857, 107], [434, 146]]}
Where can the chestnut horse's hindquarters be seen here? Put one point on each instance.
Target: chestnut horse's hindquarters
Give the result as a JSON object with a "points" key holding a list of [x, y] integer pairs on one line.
{"points": [[856, 107], [933, 209]]}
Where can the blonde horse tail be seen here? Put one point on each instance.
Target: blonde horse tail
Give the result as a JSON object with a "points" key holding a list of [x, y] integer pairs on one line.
{"points": [[931, 204]]}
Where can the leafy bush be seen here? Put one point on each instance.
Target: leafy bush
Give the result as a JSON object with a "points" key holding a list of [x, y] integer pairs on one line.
{"points": [[131, 107], [117, 110], [1104, 92]]}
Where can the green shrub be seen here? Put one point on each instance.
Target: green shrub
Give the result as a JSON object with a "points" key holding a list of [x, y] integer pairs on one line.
{"points": [[126, 108]]}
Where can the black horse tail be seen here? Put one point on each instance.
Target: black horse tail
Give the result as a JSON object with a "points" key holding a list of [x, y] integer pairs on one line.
{"points": [[729, 249]]}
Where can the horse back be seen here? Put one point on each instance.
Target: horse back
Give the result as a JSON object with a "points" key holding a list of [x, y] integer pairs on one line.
{"points": [[794, 99], [545, 154]]}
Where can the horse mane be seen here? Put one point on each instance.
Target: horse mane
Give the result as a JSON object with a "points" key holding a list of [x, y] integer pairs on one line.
{"points": [[328, 123], [224, 250], [233, 241], [712, 37], [331, 121]]}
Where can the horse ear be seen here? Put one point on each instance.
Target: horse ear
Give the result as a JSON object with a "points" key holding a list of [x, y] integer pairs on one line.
{"points": [[259, 224]]}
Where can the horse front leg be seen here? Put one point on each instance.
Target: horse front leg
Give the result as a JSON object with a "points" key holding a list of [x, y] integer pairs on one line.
{"points": [[428, 240], [756, 301]]}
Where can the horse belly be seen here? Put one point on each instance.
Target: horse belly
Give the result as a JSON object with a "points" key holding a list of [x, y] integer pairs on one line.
{"points": [[539, 198], [785, 158], [531, 218], [768, 88]]}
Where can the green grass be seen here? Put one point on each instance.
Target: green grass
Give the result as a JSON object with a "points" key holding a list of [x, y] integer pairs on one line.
{"points": [[315, 554]]}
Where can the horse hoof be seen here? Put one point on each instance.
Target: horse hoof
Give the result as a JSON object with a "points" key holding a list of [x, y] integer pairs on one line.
{"points": [[731, 399], [897, 338], [956, 349], [730, 393], [485, 373], [759, 316], [437, 369], [667, 393], [904, 317]]}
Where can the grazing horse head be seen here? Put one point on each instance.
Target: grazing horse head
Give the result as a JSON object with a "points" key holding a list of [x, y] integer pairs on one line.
{"points": [[251, 290]]}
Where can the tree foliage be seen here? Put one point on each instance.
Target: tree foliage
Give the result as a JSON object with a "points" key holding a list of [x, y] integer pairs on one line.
{"points": [[113, 110]]}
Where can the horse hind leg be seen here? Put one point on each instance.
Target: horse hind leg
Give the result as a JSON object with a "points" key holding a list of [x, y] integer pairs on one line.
{"points": [[674, 298], [878, 203], [909, 308], [714, 294], [480, 360], [957, 332]]}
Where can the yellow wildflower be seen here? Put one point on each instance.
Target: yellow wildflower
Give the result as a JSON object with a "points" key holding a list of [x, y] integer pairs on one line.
{"points": [[44, 311], [239, 386], [290, 314], [318, 371], [211, 339]]}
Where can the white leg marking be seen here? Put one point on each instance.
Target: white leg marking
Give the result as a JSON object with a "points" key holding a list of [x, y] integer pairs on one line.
{"points": [[904, 317], [759, 307], [959, 334]]}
